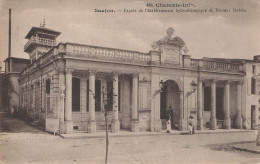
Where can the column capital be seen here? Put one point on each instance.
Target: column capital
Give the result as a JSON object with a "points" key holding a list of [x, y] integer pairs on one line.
{"points": [[240, 82], [201, 80], [60, 70], [214, 81], [84, 74], [69, 70], [115, 73], [228, 81], [135, 74], [92, 72]]}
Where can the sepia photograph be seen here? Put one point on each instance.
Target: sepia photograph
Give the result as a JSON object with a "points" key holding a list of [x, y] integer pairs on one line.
{"points": [[129, 81]]}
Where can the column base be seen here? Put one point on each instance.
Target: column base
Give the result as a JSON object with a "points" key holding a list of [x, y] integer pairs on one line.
{"points": [[157, 126], [258, 141], [200, 124], [68, 127], [213, 123], [227, 123], [115, 126], [91, 126], [245, 126], [62, 128], [239, 123], [182, 125], [258, 137], [134, 125]]}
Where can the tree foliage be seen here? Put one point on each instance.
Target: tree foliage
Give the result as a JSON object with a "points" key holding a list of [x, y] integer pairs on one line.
{"points": [[7, 90]]}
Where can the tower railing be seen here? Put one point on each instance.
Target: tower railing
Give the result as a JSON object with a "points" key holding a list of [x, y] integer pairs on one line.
{"points": [[40, 41]]}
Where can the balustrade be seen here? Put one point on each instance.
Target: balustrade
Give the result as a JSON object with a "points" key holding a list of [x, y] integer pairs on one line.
{"points": [[107, 53], [212, 65], [221, 66], [194, 63]]}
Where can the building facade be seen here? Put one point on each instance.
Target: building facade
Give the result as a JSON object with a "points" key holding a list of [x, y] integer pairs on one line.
{"points": [[68, 87], [9, 91]]}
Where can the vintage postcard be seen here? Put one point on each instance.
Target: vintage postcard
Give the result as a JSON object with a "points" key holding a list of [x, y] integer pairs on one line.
{"points": [[129, 81]]}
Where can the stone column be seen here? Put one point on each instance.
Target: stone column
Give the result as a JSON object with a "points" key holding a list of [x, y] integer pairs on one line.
{"points": [[239, 105], [227, 121], [68, 105], [213, 120], [92, 121], [134, 121], [62, 99], [83, 97], [115, 122], [181, 122], [200, 106], [154, 100]]}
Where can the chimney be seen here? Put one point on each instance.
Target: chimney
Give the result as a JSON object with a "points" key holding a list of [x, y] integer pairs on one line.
{"points": [[9, 46], [9, 39]]}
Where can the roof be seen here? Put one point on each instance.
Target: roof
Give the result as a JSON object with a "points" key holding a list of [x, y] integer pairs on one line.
{"points": [[18, 59], [41, 29]]}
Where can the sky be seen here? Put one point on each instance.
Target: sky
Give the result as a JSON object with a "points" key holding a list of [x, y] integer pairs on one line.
{"points": [[211, 34]]}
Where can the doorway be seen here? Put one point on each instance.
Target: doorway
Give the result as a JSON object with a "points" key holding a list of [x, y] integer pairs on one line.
{"points": [[170, 97]]}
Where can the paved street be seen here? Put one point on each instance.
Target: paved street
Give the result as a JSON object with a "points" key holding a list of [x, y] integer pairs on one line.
{"points": [[198, 148], [147, 149]]}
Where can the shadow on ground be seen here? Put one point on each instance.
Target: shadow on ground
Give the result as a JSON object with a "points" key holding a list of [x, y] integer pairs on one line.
{"points": [[8, 124]]}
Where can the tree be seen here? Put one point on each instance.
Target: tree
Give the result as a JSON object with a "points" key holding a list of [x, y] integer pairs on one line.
{"points": [[8, 89], [107, 93]]}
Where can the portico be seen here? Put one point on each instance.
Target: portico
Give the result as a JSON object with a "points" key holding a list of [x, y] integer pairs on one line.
{"points": [[99, 91], [224, 108]]}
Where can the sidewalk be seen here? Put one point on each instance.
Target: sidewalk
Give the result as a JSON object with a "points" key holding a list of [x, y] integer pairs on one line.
{"points": [[123, 133], [12, 129], [249, 147]]}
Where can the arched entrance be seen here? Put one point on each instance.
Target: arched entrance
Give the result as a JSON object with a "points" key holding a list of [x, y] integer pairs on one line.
{"points": [[170, 97]]}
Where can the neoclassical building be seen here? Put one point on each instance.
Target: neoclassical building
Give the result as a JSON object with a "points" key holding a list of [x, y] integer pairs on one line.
{"points": [[68, 86]]}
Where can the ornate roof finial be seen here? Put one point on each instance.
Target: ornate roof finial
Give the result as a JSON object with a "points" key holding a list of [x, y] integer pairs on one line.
{"points": [[154, 45], [170, 32], [186, 50], [43, 24]]}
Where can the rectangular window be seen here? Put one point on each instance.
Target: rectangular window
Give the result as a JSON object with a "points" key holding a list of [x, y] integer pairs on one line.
{"points": [[207, 98], [87, 107], [253, 83], [31, 96], [109, 105], [48, 86], [119, 95], [253, 69], [75, 94], [97, 95]]}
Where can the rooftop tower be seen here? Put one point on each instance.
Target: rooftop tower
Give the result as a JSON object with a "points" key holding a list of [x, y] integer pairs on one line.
{"points": [[40, 41]]}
